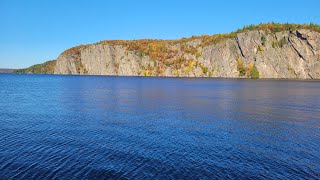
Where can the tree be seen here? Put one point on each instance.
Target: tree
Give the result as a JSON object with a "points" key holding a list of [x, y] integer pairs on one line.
{"points": [[254, 73]]}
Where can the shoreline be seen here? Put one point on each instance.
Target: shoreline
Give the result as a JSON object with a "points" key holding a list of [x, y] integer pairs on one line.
{"points": [[171, 77]]}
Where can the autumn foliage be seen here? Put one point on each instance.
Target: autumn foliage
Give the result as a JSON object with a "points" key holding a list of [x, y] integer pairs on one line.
{"points": [[173, 53], [45, 68]]}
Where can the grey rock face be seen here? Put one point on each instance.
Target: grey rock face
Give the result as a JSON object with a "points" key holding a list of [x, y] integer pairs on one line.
{"points": [[287, 54]]}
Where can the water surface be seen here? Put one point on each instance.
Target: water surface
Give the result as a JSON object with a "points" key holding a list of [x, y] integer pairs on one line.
{"points": [[69, 127]]}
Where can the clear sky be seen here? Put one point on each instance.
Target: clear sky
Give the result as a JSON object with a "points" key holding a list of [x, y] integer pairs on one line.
{"points": [[33, 31]]}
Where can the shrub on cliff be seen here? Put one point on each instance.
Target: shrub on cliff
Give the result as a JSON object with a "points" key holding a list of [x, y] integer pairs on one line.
{"points": [[255, 73], [283, 41], [249, 71], [241, 68]]}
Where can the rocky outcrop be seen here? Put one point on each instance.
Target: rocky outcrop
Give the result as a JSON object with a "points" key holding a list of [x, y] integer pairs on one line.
{"points": [[101, 60], [285, 54]]}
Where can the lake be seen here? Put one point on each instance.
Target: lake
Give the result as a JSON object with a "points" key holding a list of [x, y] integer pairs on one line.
{"points": [[69, 127]]}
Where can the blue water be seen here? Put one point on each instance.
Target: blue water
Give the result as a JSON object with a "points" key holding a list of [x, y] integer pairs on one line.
{"points": [[94, 127]]}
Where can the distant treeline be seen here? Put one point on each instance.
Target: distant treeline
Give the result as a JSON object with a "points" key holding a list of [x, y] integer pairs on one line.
{"points": [[6, 70]]}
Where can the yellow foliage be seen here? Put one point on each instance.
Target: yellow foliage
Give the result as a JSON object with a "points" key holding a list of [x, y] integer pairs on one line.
{"points": [[190, 66], [204, 69], [146, 73], [176, 73], [249, 69], [198, 54], [250, 66]]}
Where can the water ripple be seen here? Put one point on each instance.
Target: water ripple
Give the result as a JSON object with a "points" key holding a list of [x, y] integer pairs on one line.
{"points": [[91, 127]]}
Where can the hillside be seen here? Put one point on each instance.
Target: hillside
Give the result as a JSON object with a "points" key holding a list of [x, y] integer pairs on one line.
{"points": [[44, 68], [263, 51]]}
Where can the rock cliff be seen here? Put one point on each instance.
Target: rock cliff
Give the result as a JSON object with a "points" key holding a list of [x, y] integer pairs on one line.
{"points": [[265, 51]]}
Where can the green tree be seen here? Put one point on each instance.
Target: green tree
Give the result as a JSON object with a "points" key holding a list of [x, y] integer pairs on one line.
{"points": [[254, 73]]}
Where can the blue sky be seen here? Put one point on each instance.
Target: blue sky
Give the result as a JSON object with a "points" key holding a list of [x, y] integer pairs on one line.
{"points": [[33, 31]]}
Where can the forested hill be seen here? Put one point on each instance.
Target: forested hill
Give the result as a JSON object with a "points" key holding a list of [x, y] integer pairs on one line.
{"points": [[44, 68]]}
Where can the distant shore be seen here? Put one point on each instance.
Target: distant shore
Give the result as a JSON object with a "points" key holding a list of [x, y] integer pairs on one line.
{"points": [[6, 70]]}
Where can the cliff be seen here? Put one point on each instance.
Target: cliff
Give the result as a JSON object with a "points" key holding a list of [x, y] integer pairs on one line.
{"points": [[265, 51]]}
